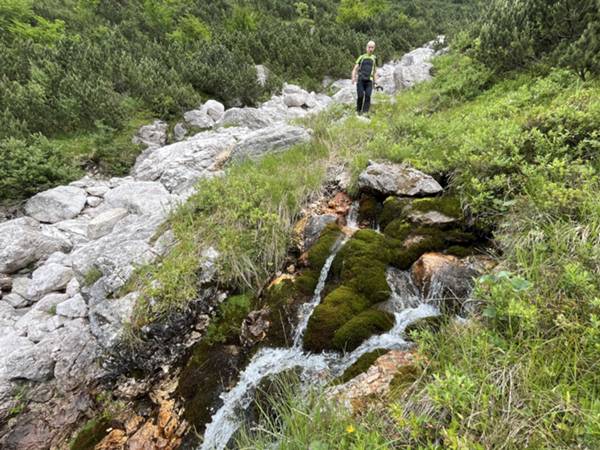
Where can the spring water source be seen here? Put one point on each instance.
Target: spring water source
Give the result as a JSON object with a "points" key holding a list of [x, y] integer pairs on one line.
{"points": [[404, 303]]}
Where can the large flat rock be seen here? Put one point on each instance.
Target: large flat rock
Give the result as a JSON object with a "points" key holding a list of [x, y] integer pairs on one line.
{"points": [[54, 205], [397, 179], [275, 138]]}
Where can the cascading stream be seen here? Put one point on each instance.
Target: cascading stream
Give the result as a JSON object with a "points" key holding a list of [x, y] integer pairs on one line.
{"points": [[405, 303]]}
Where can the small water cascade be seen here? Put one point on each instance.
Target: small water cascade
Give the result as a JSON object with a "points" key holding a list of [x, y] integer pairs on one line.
{"points": [[405, 303]]}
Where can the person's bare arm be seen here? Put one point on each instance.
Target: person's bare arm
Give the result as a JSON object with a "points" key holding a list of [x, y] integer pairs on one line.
{"points": [[354, 73]]}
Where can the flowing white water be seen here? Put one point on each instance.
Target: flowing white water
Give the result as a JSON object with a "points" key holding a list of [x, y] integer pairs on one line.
{"points": [[405, 303]]}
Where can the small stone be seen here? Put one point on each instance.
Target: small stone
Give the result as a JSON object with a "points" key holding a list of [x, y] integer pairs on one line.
{"points": [[48, 278], [97, 190], [15, 300], [74, 307], [103, 223], [94, 201], [5, 282]]}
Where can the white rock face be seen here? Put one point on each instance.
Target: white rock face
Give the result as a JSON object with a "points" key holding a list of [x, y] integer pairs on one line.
{"points": [[179, 166], [21, 358], [72, 308], [48, 278], [269, 140], [153, 135], [199, 119], [213, 109], [140, 197], [245, 117], [54, 205], [397, 179], [103, 223]]}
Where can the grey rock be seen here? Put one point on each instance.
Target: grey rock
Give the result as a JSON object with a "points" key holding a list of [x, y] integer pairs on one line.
{"points": [[346, 95], [314, 226], [15, 300], [108, 317], [59, 258], [295, 99], [431, 218], [273, 139], [213, 109], [48, 278], [198, 119], [74, 307], [21, 287], [179, 166], [5, 282], [49, 302], [208, 265], [245, 117], [103, 223], [74, 228], [164, 243], [397, 179], [54, 205], [179, 132], [153, 135], [97, 190], [73, 287], [24, 359], [415, 67], [93, 201], [140, 197]]}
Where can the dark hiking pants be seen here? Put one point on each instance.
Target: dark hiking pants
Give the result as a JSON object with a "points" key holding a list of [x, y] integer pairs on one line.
{"points": [[364, 88]]}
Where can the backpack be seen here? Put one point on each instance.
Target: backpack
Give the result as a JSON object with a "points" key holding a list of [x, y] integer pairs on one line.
{"points": [[366, 67]]}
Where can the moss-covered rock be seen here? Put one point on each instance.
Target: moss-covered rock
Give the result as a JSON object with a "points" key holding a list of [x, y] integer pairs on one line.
{"points": [[369, 322], [404, 257], [393, 208], [307, 281], [361, 365], [225, 327], [341, 305], [318, 253], [398, 229], [404, 377], [91, 433], [447, 205], [460, 251]]}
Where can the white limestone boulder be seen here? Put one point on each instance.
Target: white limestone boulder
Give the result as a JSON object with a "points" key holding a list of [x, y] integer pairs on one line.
{"points": [[54, 205]]}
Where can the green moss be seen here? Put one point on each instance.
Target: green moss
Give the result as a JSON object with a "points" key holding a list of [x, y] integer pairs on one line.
{"points": [[318, 253], [336, 309], [397, 229], [91, 276], [364, 325], [404, 377], [404, 257], [307, 282], [448, 205], [368, 210], [226, 325], [460, 251], [361, 365], [393, 208], [91, 434]]}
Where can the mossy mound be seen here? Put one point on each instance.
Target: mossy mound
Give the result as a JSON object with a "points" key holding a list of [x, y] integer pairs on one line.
{"points": [[397, 229], [404, 377], [460, 251], [225, 327], [367, 323], [447, 205], [318, 253], [368, 209], [393, 208], [341, 305], [361, 365], [307, 281]]}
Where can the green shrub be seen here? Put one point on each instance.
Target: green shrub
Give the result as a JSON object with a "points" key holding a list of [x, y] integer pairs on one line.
{"points": [[27, 167]]}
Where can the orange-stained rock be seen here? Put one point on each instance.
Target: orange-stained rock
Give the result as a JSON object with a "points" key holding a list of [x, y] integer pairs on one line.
{"points": [[374, 382], [280, 278], [144, 438], [115, 440], [425, 268]]}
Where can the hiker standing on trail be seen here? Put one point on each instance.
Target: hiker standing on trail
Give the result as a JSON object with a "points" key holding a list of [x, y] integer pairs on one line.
{"points": [[364, 75]]}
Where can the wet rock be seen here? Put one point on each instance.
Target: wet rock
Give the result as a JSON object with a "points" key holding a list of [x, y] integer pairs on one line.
{"points": [[255, 327], [22, 242], [375, 382], [272, 139], [314, 226], [48, 278], [252, 118], [104, 223], [444, 279], [153, 135], [54, 205], [397, 179]]}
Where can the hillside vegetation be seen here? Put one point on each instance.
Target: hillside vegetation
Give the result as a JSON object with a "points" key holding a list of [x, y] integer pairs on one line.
{"points": [[79, 77], [519, 146]]}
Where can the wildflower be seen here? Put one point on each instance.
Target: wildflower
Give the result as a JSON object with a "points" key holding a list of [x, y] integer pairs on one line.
{"points": [[350, 429]]}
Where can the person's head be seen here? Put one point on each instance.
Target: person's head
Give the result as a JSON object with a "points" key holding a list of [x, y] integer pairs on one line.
{"points": [[370, 47]]}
